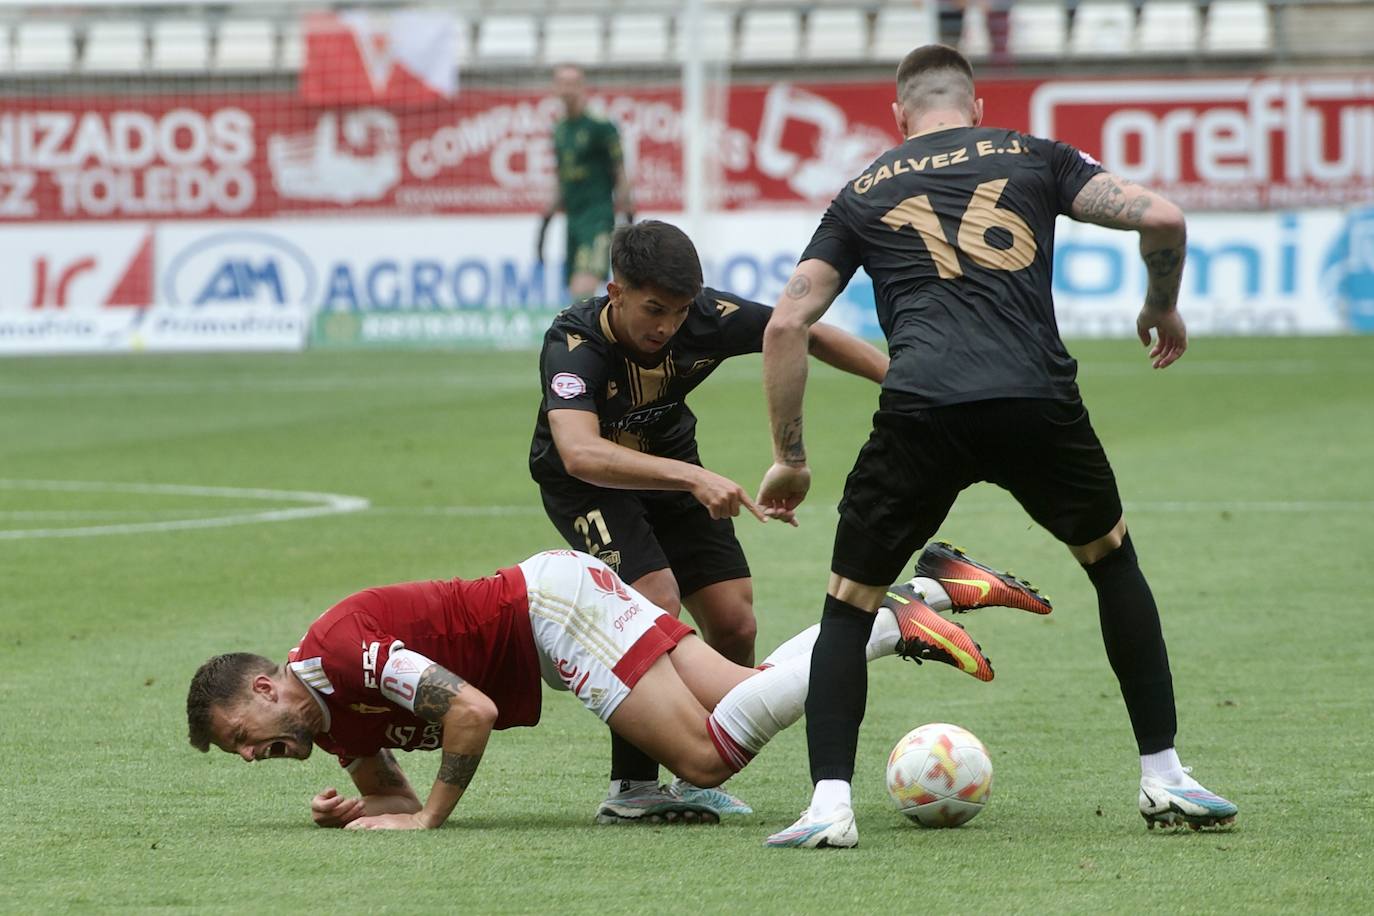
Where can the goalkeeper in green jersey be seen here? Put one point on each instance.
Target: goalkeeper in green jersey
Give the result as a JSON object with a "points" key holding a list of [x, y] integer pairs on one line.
{"points": [[592, 185]]}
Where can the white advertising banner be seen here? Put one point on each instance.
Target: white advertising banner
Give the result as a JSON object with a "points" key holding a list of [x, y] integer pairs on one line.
{"points": [[89, 288], [474, 281]]}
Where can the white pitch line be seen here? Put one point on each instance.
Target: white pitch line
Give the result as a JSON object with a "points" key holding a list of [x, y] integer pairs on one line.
{"points": [[322, 504]]}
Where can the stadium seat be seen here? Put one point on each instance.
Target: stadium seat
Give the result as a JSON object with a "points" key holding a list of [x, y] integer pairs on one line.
{"points": [[507, 39], [292, 51], [578, 39], [975, 41], [898, 29], [181, 44], [44, 46], [113, 46], [717, 35], [245, 44], [1036, 29], [769, 35], [462, 39], [836, 34], [1167, 27], [638, 38], [1105, 28], [1239, 27]]}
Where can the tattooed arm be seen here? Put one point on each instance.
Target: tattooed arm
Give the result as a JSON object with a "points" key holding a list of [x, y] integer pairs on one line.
{"points": [[467, 716], [384, 788], [808, 294], [1120, 204]]}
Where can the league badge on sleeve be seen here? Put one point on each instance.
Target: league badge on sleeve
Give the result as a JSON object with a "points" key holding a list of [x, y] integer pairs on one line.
{"points": [[568, 386]]}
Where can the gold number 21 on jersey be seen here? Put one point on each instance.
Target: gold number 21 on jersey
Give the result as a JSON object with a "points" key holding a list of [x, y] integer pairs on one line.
{"points": [[981, 215]]}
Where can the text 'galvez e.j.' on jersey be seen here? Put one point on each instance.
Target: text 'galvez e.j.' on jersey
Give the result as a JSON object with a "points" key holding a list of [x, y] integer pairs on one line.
{"points": [[642, 407], [956, 229], [362, 658]]}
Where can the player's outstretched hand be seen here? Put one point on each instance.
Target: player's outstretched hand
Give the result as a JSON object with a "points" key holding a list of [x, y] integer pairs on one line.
{"points": [[387, 822], [330, 809], [783, 489], [1171, 335], [722, 497]]}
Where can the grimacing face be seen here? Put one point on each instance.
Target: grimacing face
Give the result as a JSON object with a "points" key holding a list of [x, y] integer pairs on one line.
{"points": [[259, 728], [645, 318]]}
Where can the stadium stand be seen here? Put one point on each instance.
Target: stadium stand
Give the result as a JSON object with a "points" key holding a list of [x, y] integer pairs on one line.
{"points": [[245, 44], [44, 47], [774, 35], [1238, 26], [1168, 27], [836, 34], [770, 35], [181, 44], [1038, 29], [1103, 28], [640, 38], [115, 45]]}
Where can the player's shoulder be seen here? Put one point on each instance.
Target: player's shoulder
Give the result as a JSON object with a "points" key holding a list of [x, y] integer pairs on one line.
{"points": [[582, 319], [717, 305]]}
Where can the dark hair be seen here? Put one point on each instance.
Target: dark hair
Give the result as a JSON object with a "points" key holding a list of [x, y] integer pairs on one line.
{"points": [[219, 682], [932, 76], [657, 254]]}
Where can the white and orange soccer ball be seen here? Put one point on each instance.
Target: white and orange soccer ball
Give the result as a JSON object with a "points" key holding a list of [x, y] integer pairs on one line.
{"points": [[939, 775]]}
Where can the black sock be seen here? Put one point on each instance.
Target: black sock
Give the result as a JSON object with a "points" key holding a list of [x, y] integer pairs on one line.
{"points": [[1135, 646], [839, 690], [629, 762]]}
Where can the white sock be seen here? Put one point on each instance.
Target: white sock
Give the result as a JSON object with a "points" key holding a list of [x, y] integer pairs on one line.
{"points": [[882, 641], [761, 706], [829, 795], [1163, 765], [935, 593]]}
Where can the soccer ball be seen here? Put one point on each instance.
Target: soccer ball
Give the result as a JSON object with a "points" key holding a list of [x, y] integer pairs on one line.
{"points": [[939, 775]]}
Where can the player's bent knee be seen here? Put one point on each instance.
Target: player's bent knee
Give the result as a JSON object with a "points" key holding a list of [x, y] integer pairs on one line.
{"points": [[702, 766]]}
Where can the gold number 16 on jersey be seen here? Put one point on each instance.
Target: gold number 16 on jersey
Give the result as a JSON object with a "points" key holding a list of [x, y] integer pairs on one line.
{"points": [[981, 214]]}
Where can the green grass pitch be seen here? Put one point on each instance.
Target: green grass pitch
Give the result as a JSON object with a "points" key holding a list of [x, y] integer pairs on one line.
{"points": [[1248, 475]]}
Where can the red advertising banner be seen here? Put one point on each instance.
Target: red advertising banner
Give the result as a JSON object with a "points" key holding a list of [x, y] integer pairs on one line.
{"points": [[1241, 143]]}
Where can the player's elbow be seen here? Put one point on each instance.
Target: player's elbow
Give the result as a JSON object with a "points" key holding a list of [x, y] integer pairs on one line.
{"points": [[1165, 221], [579, 459], [477, 712]]}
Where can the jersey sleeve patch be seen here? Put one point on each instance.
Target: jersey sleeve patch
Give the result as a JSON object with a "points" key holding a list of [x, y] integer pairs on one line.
{"points": [[567, 385], [401, 677]]}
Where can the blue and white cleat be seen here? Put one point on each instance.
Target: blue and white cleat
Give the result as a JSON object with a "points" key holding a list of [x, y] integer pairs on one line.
{"points": [[717, 799], [836, 831], [1185, 803]]}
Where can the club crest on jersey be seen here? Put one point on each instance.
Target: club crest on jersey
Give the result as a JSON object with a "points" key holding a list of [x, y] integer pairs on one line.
{"points": [[568, 386], [608, 582]]}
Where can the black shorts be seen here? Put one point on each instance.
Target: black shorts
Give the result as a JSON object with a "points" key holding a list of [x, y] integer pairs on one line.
{"points": [[639, 531], [918, 459]]}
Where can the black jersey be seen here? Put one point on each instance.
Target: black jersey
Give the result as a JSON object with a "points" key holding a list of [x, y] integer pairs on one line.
{"points": [[581, 367], [956, 230]]}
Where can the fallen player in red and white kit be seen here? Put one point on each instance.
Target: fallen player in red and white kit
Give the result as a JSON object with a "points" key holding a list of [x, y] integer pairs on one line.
{"points": [[439, 665]]}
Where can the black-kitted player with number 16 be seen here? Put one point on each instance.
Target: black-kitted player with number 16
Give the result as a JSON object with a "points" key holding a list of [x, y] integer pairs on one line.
{"points": [[955, 226]]}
